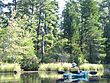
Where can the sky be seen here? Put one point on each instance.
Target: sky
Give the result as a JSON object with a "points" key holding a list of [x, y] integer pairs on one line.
{"points": [[6, 1], [60, 2]]}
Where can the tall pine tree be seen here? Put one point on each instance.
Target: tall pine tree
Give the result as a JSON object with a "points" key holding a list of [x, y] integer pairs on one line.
{"points": [[90, 31], [71, 26], [105, 21]]}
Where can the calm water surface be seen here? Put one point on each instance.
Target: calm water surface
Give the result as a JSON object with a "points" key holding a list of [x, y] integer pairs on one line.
{"points": [[42, 77]]}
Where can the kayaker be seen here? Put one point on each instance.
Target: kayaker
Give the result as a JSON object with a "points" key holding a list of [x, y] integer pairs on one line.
{"points": [[76, 68], [73, 64]]}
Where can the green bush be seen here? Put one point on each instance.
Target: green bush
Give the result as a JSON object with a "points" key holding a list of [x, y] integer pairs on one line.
{"points": [[55, 67], [29, 63], [89, 67], [6, 67]]}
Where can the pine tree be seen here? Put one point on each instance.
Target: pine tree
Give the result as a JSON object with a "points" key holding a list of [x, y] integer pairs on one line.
{"points": [[105, 21], [90, 31], [45, 14], [71, 26]]}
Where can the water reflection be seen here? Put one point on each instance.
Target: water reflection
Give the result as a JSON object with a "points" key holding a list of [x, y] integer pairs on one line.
{"points": [[52, 75], [46, 77], [9, 77], [30, 78]]}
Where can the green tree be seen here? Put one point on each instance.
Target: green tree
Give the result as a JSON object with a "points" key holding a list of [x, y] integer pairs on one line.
{"points": [[90, 31], [17, 42], [105, 21], [46, 15], [17, 45], [71, 26]]}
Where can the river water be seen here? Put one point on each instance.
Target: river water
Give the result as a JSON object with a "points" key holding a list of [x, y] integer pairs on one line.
{"points": [[42, 77]]}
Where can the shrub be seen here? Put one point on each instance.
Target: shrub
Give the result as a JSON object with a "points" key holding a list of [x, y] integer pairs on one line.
{"points": [[89, 67], [29, 63], [55, 66], [6, 67]]}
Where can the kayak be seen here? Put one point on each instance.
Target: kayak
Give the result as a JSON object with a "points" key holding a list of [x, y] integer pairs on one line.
{"points": [[75, 80], [82, 74]]}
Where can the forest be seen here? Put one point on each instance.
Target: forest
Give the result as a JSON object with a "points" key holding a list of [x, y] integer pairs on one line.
{"points": [[33, 32]]}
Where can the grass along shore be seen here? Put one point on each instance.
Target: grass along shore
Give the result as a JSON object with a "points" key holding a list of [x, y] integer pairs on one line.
{"points": [[99, 68], [67, 66], [54, 67], [10, 67], [6, 67]]}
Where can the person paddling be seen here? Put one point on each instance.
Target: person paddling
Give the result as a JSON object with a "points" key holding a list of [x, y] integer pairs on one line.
{"points": [[73, 64], [75, 67]]}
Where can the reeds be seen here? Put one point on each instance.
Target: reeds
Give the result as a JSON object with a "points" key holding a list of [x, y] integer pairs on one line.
{"points": [[6, 67], [90, 67], [55, 67]]}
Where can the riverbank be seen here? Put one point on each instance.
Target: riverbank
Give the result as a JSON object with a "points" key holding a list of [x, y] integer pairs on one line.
{"points": [[6, 67]]}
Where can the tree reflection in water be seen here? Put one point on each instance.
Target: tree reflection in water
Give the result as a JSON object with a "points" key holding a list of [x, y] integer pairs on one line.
{"points": [[40, 78]]}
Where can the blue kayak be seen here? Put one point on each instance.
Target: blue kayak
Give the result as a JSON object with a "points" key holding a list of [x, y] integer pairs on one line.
{"points": [[82, 74], [76, 80]]}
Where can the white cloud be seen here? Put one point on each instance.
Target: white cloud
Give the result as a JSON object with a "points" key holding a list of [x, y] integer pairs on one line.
{"points": [[7, 1]]}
